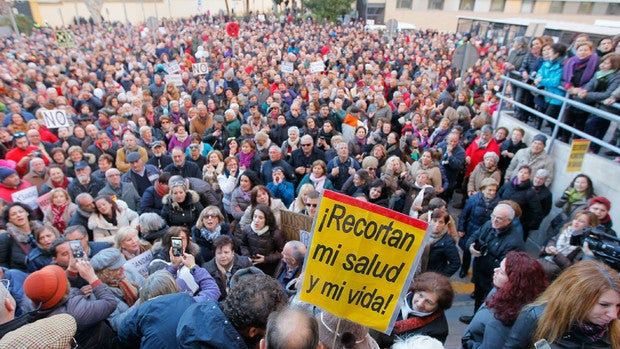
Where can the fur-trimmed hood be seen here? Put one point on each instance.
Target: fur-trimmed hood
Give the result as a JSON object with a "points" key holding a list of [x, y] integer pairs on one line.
{"points": [[192, 197]]}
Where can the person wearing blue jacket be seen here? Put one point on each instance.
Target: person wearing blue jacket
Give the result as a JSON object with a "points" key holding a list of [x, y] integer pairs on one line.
{"points": [[549, 78], [476, 212], [152, 323]]}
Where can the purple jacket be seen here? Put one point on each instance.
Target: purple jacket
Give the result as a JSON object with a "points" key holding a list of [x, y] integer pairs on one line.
{"points": [[208, 289]]}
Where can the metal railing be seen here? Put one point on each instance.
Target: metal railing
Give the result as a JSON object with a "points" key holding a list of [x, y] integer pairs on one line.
{"points": [[557, 123]]}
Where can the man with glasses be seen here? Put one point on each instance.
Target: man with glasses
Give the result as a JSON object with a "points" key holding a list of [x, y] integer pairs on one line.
{"points": [[84, 183], [301, 159], [160, 158], [23, 152], [312, 203], [124, 191], [180, 166], [103, 144], [489, 245]]}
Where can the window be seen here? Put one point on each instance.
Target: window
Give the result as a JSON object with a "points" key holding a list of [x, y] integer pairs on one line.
{"points": [[497, 5], [467, 5], [408, 4], [585, 8], [527, 6], [435, 4], [613, 9], [556, 7]]}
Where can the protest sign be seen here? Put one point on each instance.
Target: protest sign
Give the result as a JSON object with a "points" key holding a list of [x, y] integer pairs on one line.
{"points": [[578, 150], [27, 196], [175, 79], [172, 67], [291, 223], [55, 118], [200, 68], [361, 260], [317, 67], [44, 201], [65, 38], [141, 262], [287, 67]]}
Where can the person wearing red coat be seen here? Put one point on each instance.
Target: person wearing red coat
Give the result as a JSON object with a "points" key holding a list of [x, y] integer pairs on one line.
{"points": [[23, 153], [10, 183], [474, 154]]}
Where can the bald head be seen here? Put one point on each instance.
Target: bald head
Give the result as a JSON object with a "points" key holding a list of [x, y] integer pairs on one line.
{"points": [[291, 329]]}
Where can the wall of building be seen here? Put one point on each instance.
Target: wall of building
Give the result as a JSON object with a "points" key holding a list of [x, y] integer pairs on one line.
{"points": [[446, 20]]}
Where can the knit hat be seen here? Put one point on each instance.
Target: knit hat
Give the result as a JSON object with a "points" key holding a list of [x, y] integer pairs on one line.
{"points": [[54, 332], [600, 200], [157, 144], [540, 137], [109, 258], [46, 286], [5, 172], [218, 118], [350, 334]]}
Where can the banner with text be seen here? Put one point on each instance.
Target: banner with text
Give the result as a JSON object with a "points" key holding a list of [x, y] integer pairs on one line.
{"points": [[361, 260], [578, 150]]}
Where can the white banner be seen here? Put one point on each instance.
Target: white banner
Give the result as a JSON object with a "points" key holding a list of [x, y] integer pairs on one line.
{"points": [[142, 261], [27, 196], [176, 79], [55, 118], [200, 68], [287, 67], [172, 67], [317, 67]]}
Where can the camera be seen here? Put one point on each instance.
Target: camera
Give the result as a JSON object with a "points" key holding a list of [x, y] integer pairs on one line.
{"points": [[605, 247], [481, 247]]}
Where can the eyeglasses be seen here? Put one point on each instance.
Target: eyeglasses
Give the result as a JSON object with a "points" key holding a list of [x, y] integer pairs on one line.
{"points": [[210, 215], [312, 205], [497, 218], [372, 169], [19, 134], [165, 122], [306, 145]]}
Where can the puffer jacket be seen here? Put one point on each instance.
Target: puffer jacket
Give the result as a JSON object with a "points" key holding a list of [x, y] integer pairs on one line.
{"points": [[184, 214], [15, 247]]}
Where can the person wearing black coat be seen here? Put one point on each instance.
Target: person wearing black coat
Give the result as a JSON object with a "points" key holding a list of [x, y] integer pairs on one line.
{"points": [[452, 161], [509, 148], [210, 224], [225, 263], [521, 191], [181, 166], [476, 212], [489, 245], [182, 206], [544, 194], [440, 254]]}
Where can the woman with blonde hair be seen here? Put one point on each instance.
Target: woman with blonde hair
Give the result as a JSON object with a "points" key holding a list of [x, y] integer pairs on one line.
{"points": [[578, 310], [299, 205], [128, 241], [61, 209]]}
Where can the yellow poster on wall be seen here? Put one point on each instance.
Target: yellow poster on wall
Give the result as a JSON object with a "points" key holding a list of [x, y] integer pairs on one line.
{"points": [[578, 150], [361, 260]]}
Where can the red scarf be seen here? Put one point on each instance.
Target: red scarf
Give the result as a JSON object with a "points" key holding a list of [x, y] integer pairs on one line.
{"points": [[159, 189], [58, 221], [415, 322], [64, 184]]}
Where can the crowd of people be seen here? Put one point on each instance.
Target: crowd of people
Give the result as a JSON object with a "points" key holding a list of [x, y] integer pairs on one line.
{"points": [[164, 186]]}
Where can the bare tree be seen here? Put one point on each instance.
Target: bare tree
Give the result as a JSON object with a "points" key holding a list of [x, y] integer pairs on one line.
{"points": [[94, 7]]}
